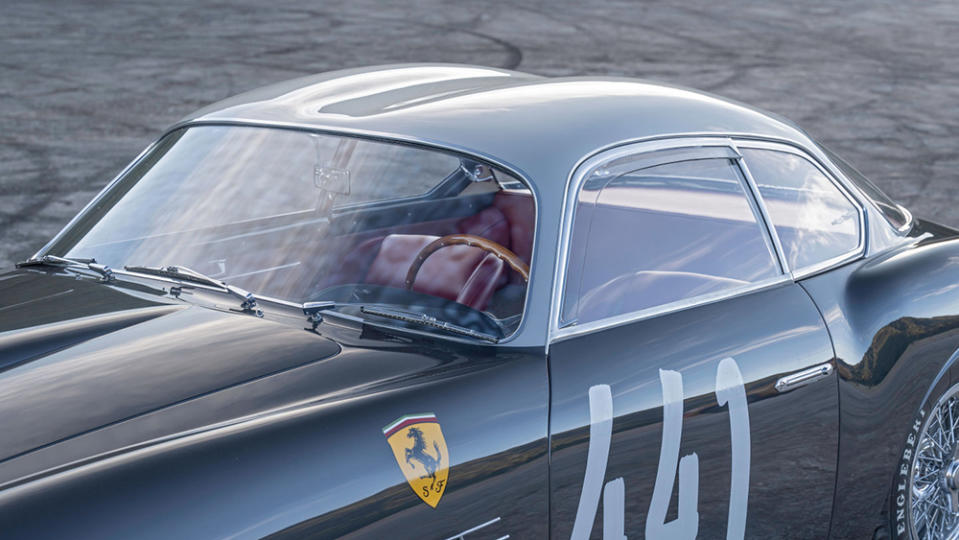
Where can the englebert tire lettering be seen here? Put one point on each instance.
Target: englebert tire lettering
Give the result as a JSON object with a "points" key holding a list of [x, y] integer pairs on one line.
{"points": [[730, 392], [904, 468]]}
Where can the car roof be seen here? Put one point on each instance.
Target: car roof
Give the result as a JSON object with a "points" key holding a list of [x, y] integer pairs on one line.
{"points": [[539, 128], [529, 123]]}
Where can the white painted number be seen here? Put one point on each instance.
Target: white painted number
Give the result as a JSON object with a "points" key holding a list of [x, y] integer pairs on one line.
{"points": [[730, 392]]}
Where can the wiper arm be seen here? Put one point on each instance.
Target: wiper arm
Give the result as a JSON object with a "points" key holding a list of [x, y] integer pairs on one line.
{"points": [[106, 274], [426, 320], [312, 311], [181, 273]]}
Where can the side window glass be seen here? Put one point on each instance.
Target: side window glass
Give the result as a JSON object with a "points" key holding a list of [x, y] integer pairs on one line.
{"points": [[662, 234], [815, 221], [894, 213]]}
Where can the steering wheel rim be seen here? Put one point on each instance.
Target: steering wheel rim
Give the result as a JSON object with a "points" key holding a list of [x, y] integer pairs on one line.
{"points": [[498, 250]]}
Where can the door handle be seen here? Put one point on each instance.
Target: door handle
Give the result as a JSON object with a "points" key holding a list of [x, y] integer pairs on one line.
{"points": [[804, 377]]}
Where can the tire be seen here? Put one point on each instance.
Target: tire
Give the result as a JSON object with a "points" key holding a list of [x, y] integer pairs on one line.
{"points": [[924, 502]]}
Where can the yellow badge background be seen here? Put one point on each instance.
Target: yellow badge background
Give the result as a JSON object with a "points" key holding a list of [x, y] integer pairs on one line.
{"points": [[431, 492]]}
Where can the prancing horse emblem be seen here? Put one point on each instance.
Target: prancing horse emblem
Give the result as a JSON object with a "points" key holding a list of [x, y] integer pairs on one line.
{"points": [[420, 451]]}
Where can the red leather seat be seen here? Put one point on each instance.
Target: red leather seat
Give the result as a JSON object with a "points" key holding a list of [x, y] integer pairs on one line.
{"points": [[520, 213], [463, 274]]}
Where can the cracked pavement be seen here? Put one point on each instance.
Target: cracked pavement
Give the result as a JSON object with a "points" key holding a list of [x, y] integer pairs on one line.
{"points": [[84, 86]]}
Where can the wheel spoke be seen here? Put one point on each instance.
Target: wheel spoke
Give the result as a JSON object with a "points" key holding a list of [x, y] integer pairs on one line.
{"points": [[933, 474]]}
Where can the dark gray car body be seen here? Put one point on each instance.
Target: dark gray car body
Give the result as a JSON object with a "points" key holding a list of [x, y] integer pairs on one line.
{"points": [[127, 412]]}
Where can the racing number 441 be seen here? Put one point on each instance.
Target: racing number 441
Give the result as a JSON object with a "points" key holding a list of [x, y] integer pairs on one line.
{"points": [[731, 393]]}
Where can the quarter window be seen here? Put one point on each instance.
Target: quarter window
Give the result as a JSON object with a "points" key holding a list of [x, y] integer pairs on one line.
{"points": [[657, 235], [815, 221], [893, 213]]}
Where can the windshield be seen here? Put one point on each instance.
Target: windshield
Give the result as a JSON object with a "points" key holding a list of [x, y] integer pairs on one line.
{"points": [[304, 217]]}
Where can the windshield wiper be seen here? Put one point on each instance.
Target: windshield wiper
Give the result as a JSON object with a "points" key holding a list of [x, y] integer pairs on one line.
{"points": [[106, 274], [181, 273], [426, 320]]}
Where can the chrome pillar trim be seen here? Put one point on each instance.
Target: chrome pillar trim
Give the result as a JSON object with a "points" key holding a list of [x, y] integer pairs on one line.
{"points": [[848, 193], [96, 199], [583, 169], [753, 188], [804, 377]]}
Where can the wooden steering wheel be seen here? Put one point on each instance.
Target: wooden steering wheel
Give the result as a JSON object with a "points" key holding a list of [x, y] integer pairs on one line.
{"points": [[471, 240]]}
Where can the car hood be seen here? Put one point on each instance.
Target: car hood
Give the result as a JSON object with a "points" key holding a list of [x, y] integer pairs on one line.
{"points": [[77, 355]]}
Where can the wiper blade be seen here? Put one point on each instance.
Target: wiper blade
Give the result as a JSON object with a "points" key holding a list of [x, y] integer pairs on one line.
{"points": [[426, 320], [106, 274], [181, 273]]}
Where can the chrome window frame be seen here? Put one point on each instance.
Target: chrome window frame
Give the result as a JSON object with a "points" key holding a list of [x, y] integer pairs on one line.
{"points": [[843, 258], [865, 199], [587, 166]]}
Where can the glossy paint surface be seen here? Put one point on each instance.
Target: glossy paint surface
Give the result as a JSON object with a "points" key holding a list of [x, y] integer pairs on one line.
{"points": [[894, 320], [249, 426], [135, 413], [793, 434]]}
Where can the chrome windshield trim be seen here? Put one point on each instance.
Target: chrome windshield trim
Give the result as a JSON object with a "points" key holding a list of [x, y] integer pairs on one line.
{"points": [[672, 307], [96, 199]]}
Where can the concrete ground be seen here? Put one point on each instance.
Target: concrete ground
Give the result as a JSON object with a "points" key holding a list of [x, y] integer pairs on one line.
{"points": [[85, 85]]}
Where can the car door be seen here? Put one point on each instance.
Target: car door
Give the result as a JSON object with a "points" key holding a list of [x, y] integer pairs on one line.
{"points": [[693, 391]]}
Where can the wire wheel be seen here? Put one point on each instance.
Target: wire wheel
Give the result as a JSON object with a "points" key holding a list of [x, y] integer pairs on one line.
{"points": [[934, 476]]}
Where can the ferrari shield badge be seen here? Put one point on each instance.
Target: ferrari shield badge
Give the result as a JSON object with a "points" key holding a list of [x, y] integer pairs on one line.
{"points": [[420, 451]]}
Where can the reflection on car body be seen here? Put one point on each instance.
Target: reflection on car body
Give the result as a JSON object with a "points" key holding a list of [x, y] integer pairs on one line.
{"points": [[574, 307]]}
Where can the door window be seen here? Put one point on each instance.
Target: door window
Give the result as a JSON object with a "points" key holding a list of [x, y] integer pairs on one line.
{"points": [[660, 234]]}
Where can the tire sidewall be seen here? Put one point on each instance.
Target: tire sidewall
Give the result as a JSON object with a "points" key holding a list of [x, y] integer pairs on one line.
{"points": [[900, 526]]}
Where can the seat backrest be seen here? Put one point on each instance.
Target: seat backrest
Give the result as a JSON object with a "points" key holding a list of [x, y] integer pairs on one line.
{"points": [[491, 224], [520, 212]]}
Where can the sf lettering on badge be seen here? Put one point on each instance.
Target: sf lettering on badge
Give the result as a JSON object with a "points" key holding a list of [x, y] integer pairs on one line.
{"points": [[730, 393]]}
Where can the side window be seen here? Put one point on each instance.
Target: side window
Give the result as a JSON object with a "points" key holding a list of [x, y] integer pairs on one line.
{"points": [[661, 234], [815, 221], [893, 213]]}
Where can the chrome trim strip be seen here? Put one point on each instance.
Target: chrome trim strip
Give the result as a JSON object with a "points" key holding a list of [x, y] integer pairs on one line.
{"points": [[574, 183], [910, 220], [804, 377], [593, 161], [672, 307], [97, 198], [461, 535], [807, 271], [867, 200], [753, 189]]}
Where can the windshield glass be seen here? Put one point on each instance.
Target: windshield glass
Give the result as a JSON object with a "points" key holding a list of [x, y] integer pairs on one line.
{"points": [[306, 217]]}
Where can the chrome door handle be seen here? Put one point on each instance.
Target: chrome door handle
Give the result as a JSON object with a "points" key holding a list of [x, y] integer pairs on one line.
{"points": [[804, 377]]}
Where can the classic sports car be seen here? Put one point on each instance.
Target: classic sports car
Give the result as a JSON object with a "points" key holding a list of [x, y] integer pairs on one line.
{"points": [[459, 302]]}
